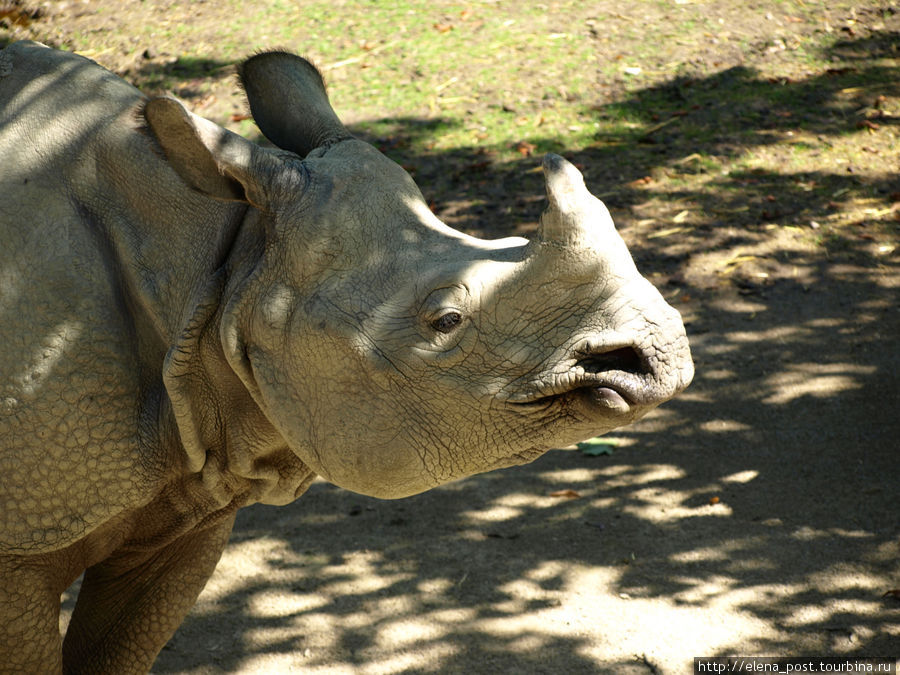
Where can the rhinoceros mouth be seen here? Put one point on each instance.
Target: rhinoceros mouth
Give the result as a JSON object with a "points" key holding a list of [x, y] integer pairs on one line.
{"points": [[595, 396], [612, 382]]}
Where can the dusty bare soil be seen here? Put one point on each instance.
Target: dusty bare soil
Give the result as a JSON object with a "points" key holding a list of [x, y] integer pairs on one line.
{"points": [[759, 513]]}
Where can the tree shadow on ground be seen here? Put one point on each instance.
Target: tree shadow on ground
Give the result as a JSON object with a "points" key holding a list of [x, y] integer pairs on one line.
{"points": [[678, 129], [185, 75], [761, 504]]}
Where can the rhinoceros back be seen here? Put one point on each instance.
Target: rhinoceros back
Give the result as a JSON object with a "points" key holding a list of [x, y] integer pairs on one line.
{"points": [[71, 385]]}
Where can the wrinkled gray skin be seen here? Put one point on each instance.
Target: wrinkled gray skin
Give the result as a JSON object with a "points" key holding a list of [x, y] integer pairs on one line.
{"points": [[191, 323]]}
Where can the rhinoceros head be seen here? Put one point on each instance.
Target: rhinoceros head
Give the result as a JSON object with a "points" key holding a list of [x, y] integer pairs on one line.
{"points": [[392, 352]]}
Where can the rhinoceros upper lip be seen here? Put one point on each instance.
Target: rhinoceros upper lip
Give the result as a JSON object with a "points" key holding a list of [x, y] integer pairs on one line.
{"points": [[614, 380]]}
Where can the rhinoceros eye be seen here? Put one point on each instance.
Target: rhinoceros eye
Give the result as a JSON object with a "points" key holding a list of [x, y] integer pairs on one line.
{"points": [[446, 322]]}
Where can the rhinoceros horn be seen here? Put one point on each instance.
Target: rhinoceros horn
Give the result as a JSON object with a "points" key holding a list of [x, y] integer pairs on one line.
{"points": [[574, 218], [289, 104]]}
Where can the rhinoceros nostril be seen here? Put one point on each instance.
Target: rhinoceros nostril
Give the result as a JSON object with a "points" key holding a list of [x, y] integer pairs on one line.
{"points": [[625, 359]]}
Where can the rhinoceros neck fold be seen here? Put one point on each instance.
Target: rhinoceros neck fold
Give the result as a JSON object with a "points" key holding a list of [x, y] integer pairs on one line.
{"points": [[214, 414]]}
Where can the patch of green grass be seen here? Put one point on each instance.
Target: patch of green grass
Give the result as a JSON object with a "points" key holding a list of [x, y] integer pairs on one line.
{"points": [[696, 96]]}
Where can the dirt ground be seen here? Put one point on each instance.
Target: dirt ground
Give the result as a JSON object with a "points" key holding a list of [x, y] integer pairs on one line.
{"points": [[757, 514]]}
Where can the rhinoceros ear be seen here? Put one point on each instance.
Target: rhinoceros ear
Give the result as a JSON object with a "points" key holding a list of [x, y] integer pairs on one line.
{"points": [[289, 103], [207, 157]]}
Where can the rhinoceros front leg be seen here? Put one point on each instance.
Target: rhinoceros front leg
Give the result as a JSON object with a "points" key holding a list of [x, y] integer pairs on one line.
{"points": [[130, 604], [29, 617]]}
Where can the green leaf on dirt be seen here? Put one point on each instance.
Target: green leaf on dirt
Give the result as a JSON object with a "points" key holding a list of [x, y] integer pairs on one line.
{"points": [[595, 447]]}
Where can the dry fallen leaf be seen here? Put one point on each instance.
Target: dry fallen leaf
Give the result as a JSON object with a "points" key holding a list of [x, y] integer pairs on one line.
{"points": [[18, 16], [565, 494], [667, 232], [737, 260], [525, 148]]}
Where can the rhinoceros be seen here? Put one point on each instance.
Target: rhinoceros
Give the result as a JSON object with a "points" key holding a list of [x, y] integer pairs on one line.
{"points": [[192, 322]]}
